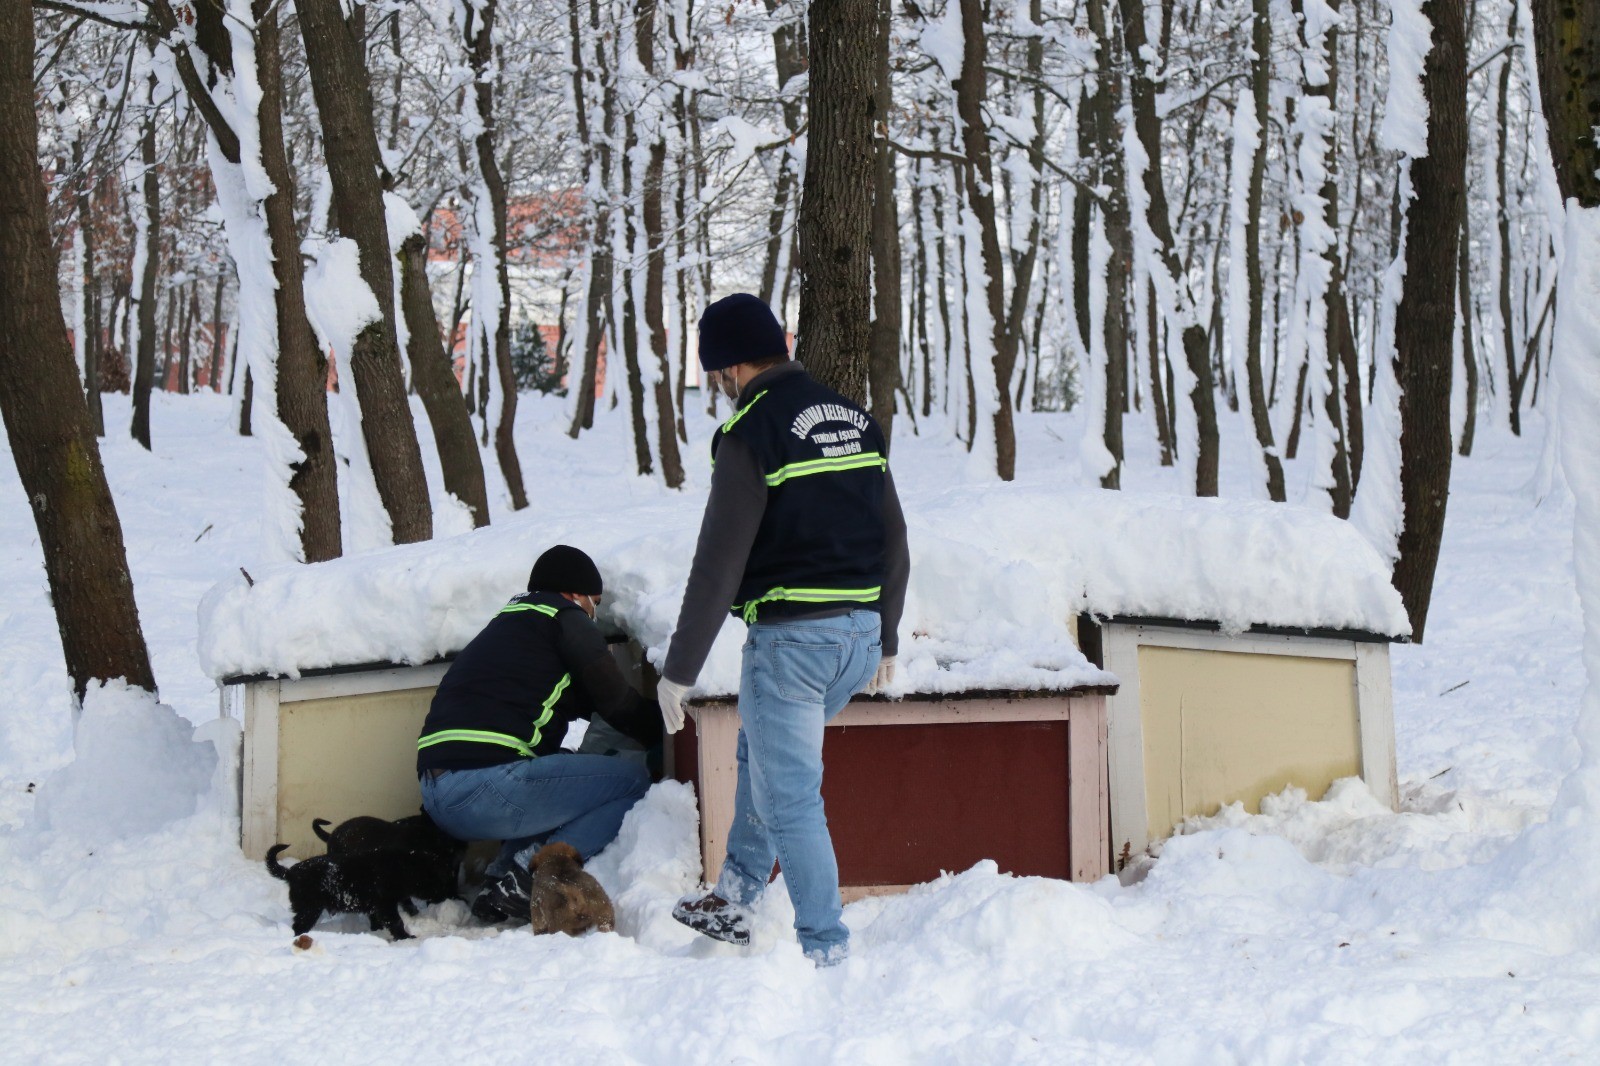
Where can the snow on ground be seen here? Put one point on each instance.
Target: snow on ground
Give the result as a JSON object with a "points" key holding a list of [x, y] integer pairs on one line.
{"points": [[1320, 931]]}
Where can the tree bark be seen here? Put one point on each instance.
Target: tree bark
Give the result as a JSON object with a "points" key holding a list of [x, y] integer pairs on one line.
{"points": [[337, 65], [883, 367], [789, 59], [1426, 318], [302, 365], [481, 42], [435, 381], [1100, 139], [144, 366], [1196, 349], [1469, 352], [1508, 343], [599, 242], [46, 416], [91, 307], [835, 228], [972, 91], [1260, 90], [1567, 38], [656, 261]]}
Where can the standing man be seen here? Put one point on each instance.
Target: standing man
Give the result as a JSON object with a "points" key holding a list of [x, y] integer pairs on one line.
{"points": [[490, 759], [804, 537]]}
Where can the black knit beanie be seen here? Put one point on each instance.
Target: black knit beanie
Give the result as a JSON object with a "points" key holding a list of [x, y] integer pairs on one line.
{"points": [[565, 569], [738, 329]]}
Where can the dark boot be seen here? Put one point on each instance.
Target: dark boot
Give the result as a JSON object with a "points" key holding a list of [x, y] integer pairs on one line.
{"points": [[715, 917], [505, 899]]}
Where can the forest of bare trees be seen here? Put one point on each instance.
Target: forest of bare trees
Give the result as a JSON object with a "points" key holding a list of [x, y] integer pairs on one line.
{"points": [[1330, 221]]}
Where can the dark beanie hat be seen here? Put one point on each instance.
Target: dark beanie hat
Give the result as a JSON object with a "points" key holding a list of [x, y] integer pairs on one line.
{"points": [[565, 569], [737, 329]]}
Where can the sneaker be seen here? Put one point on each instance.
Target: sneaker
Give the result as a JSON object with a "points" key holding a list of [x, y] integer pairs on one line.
{"points": [[504, 899], [715, 917]]}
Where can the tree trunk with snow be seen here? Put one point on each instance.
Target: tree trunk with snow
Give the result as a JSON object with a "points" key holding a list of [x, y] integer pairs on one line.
{"points": [[1567, 36], [596, 165], [1168, 269], [789, 59], [435, 381], [495, 343], [46, 417], [336, 61], [656, 258], [972, 92], [1255, 294], [835, 227], [1426, 316]]}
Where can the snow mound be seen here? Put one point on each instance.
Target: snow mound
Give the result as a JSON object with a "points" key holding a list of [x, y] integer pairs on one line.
{"points": [[138, 768]]}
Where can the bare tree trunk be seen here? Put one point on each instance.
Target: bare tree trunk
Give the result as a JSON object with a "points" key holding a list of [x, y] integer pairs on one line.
{"points": [[835, 227], [1425, 320], [218, 339], [1101, 140], [91, 309], [1469, 353], [144, 367], [336, 60], [435, 383], [789, 58], [1508, 341], [46, 416], [302, 384], [1196, 349], [481, 42], [599, 242], [656, 263], [883, 367], [971, 98], [1260, 90]]}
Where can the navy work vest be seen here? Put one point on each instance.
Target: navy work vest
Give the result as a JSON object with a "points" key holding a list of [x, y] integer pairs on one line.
{"points": [[508, 695], [821, 537]]}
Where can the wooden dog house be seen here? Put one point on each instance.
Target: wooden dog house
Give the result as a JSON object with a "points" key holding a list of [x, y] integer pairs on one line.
{"points": [[932, 783]]}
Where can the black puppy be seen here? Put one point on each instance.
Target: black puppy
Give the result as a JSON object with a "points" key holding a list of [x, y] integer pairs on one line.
{"points": [[366, 833], [375, 883]]}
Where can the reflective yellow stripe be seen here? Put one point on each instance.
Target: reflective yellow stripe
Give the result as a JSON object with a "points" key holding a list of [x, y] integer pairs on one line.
{"points": [[478, 736], [729, 424], [540, 607], [827, 466], [550, 707], [505, 740], [750, 609]]}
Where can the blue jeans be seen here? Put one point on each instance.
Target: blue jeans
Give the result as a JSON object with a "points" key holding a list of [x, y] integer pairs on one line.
{"points": [[797, 675], [576, 799]]}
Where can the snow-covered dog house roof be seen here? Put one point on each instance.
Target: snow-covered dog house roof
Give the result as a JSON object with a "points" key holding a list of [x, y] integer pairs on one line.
{"points": [[998, 573]]}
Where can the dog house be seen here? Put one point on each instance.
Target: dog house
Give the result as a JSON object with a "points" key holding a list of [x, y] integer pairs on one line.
{"points": [[1071, 690]]}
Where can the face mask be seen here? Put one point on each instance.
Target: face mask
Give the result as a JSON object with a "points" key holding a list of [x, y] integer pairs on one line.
{"points": [[729, 386]]}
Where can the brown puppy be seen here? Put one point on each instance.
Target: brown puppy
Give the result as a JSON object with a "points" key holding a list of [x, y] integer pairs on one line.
{"points": [[564, 898]]}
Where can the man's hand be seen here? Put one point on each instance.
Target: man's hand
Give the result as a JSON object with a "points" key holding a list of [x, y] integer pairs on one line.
{"points": [[670, 695], [882, 679]]}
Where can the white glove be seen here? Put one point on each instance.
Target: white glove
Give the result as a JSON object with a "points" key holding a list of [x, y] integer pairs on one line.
{"points": [[882, 679], [670, 695]]}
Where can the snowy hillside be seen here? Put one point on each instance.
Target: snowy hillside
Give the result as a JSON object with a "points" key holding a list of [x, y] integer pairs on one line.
{"points": [[1330, 931]]}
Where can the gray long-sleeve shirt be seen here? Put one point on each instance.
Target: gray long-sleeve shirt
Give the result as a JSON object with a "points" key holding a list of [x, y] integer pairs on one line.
{"points": [[728, 529]]}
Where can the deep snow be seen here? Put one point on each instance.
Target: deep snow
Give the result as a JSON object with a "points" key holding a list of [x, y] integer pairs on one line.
{"points": [[1314, 932]]}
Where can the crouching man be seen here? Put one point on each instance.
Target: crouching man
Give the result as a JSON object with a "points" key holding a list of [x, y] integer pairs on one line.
{"points": [[490, 759], [804, 536]]}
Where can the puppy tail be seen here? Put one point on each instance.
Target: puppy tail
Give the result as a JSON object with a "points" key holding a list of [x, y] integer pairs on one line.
{"points": [[316, 827], [273, 868]]}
